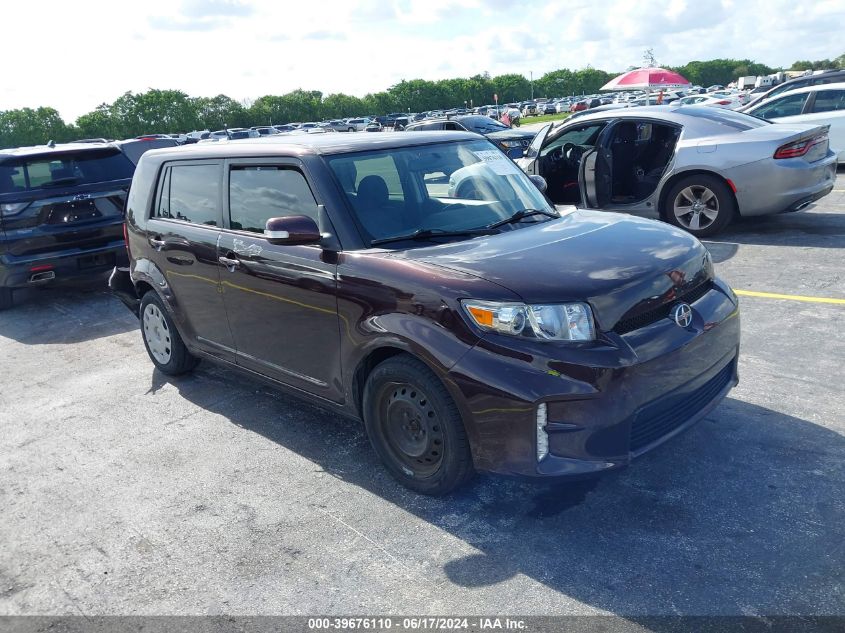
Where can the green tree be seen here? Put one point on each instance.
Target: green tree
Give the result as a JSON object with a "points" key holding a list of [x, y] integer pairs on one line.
{"points": [[28, 126], [511, 87], [217, 112]]}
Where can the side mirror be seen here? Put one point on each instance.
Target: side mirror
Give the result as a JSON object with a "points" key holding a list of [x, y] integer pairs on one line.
{"points": [[292, 229], [539, 182]]}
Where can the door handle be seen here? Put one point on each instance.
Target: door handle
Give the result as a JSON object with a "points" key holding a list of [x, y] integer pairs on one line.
{"points": [[156, 243], [229, 263]]}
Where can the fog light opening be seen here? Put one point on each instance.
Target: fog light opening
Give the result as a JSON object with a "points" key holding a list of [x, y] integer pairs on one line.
{"points": [[542, 436]]}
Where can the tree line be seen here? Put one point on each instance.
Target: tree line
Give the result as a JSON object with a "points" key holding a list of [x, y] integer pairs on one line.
{"points": [[168, 111]]}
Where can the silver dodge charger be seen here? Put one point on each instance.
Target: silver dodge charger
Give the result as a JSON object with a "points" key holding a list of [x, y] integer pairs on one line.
{"points": [[695, 167]]}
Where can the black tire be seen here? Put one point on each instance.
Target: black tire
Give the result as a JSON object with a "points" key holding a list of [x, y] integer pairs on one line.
{"points": [[352, 129], [415, 427], [178, 360], [710, 216], [5, 298]]}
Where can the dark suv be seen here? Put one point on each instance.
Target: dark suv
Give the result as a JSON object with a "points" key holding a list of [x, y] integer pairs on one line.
{"points": [[421, 282], [61, 211], [511, 142]]}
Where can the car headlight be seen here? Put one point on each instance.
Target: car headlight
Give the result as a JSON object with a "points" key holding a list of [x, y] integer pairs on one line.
{"points": [[554, 322], [510, 143]]}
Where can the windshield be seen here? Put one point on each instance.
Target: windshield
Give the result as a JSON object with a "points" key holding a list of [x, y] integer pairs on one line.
{"points": [[438, 187], [64, 169]]}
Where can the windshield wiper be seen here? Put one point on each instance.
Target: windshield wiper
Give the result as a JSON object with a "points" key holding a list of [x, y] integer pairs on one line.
{"points": [[427, 234], [519, 215]]}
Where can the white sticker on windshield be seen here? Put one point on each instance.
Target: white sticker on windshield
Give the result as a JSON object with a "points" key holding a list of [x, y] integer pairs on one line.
{"points": [[498, 162]]}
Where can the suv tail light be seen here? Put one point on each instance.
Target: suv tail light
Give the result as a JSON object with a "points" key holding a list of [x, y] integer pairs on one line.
{"points": [[799, 148], [12, 208]]}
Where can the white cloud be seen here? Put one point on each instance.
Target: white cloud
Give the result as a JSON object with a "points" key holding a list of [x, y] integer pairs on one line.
{"points": [[76, 55]]}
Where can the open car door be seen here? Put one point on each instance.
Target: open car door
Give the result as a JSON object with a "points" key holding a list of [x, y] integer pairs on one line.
{"points": [[530, 163], [595, 173], [595, 178]]}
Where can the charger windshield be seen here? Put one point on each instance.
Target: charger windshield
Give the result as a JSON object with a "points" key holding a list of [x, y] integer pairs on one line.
{"points": [[438, 188]]}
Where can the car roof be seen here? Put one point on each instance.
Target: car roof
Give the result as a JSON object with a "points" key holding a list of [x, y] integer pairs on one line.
{"points": [[839, 85], [304, 144], [58, 148], [670, 112]]}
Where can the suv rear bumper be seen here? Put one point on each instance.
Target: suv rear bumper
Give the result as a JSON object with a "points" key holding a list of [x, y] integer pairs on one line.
{"points": [[23, 271]]}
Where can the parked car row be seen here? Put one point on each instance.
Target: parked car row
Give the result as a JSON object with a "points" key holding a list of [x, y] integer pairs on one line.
{"points": [[453, 300]]}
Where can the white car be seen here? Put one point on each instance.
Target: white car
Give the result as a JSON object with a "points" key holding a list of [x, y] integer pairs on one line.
{"points": [[820, 104], [729, 102], [357, 125]]}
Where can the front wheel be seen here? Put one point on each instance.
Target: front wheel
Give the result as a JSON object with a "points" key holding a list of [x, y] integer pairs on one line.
{"points": [[415, 427], [164, 345], [700, 204]]}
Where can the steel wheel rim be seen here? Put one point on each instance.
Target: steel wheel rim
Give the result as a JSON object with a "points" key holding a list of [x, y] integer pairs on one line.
{"points": [[412, 429], [696, 207], [157, 334]]}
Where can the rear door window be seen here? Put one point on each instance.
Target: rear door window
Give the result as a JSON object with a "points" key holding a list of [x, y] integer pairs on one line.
{"points": [[258, 193], [790, 105], [829, 101], [190, 194]]}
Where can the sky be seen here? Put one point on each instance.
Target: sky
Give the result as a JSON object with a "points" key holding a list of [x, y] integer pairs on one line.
{"points": [[75, 55]]}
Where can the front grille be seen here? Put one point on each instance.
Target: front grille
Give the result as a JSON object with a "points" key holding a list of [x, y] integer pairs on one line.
{"points": [[661, 312], [667, 414]]}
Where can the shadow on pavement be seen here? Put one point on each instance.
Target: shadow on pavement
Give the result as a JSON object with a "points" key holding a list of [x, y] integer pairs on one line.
{"points": [[743, 514], [65, 314]]}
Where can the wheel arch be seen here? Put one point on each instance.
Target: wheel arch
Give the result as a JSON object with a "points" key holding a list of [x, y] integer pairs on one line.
{"points": [[392, 348], [675, 178]]}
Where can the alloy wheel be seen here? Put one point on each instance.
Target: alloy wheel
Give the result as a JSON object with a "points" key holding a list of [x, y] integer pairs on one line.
{"points": [[696, 207]]}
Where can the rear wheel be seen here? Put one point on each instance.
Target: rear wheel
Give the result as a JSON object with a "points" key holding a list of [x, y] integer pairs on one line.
{"points": [[700, 204], [415, 427], [5, 298], [164, 345]]}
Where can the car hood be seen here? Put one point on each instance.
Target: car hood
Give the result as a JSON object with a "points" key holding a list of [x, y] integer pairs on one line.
{"points": [[508, 135], [621, 265]]}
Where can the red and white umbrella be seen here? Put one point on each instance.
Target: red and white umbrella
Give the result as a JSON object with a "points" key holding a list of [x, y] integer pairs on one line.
{"points": [[647, 79]]}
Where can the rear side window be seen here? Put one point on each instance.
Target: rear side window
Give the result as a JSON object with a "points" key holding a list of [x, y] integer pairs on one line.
{"points": [[791, 105], [189, 194], [258, 193], [829, 101], [64, 169]]}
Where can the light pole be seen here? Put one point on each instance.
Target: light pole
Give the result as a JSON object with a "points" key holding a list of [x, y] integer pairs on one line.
{"points": [[531, 72]]}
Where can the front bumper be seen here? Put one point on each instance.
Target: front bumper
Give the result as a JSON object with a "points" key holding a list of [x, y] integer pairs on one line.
{"points": [[18, 271], [607, 403]]}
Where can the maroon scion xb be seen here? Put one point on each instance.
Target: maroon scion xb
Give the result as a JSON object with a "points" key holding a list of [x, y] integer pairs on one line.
{"points": [[422, 283]]}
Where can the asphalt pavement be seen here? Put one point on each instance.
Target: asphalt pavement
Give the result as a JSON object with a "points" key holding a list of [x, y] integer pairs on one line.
{"points": [[123, 491]]}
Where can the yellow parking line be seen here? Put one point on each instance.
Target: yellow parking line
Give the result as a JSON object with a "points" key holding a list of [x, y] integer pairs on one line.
{"points": [[775, 295]]}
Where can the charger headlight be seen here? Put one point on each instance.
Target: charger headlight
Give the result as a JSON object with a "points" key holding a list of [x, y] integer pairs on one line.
{"points": [[545, 322]]}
